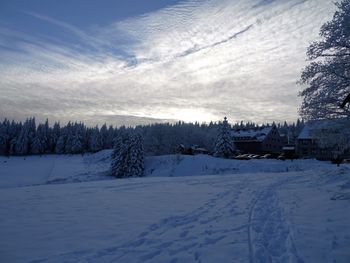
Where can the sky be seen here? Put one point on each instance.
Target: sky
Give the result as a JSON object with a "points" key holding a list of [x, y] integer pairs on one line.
{"points": [[135, 62]]}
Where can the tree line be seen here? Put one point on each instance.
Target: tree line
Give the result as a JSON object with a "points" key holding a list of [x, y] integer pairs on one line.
{"points": [[28, 137]]}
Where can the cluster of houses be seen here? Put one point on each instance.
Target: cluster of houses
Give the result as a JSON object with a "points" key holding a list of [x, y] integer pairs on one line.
{"points": [[322, 139], [268, 140]]}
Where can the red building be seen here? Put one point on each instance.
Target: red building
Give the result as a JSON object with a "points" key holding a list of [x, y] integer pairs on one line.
{"points": [[259, 140]]}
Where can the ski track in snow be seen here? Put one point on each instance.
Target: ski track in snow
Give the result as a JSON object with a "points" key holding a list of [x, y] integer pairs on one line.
{"points": [[269, 236]]}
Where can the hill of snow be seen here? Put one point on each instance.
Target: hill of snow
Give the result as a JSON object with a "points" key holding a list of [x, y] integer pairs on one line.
{"points": [[46, 169]]}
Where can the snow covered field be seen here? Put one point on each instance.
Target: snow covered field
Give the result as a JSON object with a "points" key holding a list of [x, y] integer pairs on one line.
{"points": [[187, 209], [50, 169]]}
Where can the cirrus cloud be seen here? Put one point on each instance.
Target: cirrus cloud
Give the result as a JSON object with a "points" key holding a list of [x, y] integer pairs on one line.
{"points": [[197, 60]]}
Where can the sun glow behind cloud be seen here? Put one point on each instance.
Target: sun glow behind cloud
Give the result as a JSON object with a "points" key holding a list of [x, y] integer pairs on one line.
{"points": [[196, 61]]}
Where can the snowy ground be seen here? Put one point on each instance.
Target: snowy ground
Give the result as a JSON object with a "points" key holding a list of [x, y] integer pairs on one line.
{"points": [[53, 169], [246, 211]]}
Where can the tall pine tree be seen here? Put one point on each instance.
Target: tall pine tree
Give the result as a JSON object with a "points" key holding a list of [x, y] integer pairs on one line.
{"points": [[128, 156], [224, 146]]}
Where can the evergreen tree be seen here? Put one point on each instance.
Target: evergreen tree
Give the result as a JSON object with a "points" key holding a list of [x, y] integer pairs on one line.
{"points": [[103, 134], [54, 135], [119, 157], [39, 141], [14, 130], [109, 139], [31, 129], [128, 156], [224, 146], [137, 163], [21, 144], [61, 144], [95, 142], [68, 131], [12, 150], [4, 137], [46, 136], [77, 139], [77, 145]]}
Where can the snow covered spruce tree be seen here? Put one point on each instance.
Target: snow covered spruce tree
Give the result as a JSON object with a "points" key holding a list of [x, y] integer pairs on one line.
{"points": [[224, 146], [22, 144], [39, 144], [128, 156], [327, 77], [95, 140], [119, 157], [60, 144], [54, 135], [4, 137], [137, 163]]}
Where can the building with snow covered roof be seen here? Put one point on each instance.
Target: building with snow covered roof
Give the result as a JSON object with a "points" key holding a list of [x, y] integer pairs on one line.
{"points": [[258, 140], [323, 139]]}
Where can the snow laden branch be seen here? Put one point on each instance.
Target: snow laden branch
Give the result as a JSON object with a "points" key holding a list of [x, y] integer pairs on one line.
{"points": [[327, 77]]}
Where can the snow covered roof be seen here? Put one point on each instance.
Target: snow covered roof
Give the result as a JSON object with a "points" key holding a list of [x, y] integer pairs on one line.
{"points": [[258, 134], [306, 132], [197, 148], [288, 148]]}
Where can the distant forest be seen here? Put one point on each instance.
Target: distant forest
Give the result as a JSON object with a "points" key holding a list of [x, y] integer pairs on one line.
{"points": [[17, 138]]}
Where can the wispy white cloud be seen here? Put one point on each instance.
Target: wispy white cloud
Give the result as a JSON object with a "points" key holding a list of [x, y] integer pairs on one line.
{"points": [[198, 60]]}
